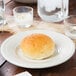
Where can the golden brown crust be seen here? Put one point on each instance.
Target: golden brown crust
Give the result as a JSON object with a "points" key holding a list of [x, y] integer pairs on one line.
{"points": [[37, 46]]}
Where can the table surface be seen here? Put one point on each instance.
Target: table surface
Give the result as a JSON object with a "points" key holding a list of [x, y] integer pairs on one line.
{"points": [[7, 69]]}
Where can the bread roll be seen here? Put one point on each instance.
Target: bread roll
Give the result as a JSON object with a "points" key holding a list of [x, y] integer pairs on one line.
{"points": [[37, 46]]}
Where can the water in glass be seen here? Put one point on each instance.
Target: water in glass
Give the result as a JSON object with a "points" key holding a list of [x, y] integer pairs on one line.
{"points": [[53, 10]]}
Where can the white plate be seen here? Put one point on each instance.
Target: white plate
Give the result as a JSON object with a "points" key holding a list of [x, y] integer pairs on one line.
{"points": [[65, 48]]}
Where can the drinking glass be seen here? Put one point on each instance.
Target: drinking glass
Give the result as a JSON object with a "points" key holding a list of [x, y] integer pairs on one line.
{"points": [[53, 10], [2, 10], [70, 26], [3, 34], [23, 16]]}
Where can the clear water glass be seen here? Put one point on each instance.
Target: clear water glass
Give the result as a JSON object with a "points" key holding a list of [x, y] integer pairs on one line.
{"points": [[70, 26], [2, 10], [23, 16], [53, 10]]}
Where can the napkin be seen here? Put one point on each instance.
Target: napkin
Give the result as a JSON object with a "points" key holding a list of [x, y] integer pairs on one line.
{"points": [[26, 73]]}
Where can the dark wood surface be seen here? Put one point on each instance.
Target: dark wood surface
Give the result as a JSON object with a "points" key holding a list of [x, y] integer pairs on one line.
{"points": [[66, 69]]}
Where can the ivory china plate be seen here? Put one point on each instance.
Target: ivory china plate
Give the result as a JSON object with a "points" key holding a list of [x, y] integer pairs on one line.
{"points": [[65, 48]]}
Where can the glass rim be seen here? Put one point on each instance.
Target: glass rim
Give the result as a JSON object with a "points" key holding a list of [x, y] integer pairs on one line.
{"points": [[28, 7]]}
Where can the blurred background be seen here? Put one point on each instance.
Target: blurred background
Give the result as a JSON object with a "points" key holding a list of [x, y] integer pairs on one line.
{"points": [[33, 3], [72, 3]]}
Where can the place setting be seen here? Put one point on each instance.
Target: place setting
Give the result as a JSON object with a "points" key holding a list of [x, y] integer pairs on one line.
{"points": [[39, 44], [37, 38]]}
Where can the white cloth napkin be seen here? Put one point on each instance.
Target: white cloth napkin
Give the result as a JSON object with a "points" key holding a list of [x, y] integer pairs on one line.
{"points": [[26, 73]]}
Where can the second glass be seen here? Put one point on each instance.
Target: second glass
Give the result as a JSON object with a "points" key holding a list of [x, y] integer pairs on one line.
{"points": [[70, 26], [53, 10]]}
